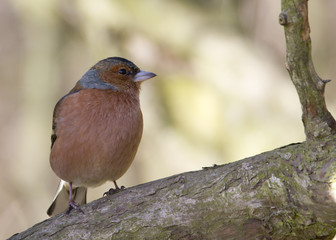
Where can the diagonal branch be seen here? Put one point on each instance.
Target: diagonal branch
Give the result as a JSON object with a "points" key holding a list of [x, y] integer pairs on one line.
{"points": [[276, 195]]}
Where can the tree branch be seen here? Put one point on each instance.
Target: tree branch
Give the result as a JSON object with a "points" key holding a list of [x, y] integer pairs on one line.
{"points": [[317, 120], [282, 194]]}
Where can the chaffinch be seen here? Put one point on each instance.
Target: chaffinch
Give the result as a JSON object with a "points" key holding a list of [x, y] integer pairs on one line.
{"points": [[97, 128]]}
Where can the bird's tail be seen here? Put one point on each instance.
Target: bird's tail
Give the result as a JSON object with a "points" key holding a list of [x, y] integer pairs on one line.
{"points": [[61, 200]]}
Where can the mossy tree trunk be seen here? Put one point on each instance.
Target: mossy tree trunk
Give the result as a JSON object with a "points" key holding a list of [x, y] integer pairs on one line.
{"points": [[287, 193]]}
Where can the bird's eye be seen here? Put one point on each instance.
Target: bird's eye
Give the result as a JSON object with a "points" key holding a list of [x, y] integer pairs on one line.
{"points": [[122, 71]]}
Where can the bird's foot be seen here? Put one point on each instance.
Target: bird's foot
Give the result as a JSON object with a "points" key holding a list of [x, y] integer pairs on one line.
{"points": [[74, 205], [112, 191]]}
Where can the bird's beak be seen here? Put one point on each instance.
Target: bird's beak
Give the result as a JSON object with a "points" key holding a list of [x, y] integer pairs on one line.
{"points": [[143, 75]]}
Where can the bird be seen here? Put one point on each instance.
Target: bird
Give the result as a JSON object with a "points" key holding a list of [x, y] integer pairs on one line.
{"points": [[96, 131]]}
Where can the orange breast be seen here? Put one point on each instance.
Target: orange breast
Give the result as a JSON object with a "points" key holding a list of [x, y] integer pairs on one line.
{"points": [[98, 133]]}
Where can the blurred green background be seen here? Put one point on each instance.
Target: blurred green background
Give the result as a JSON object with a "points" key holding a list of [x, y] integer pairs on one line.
{"points": [[222, 92]]}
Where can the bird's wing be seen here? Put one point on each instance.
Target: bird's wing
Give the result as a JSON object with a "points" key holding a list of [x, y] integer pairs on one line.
{"points": [[76, 89]]}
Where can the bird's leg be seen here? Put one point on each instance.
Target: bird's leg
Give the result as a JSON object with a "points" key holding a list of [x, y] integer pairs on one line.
{"points": [[116, 186], [72, 203], [114, 190]]}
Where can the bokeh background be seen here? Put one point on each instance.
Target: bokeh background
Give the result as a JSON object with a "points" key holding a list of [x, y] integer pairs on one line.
{"points": [[222, 92]]}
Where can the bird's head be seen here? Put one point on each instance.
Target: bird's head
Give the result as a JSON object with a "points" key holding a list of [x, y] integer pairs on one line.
{"points": [[115, 73]]}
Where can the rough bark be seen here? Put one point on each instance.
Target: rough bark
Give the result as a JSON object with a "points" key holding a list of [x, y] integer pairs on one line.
{"points": [[317, 120], [287, 193], [283, 194]]}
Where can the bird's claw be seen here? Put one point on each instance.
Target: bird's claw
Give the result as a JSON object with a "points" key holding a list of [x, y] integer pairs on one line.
{"points": [[74, 205], [112, 191]]}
